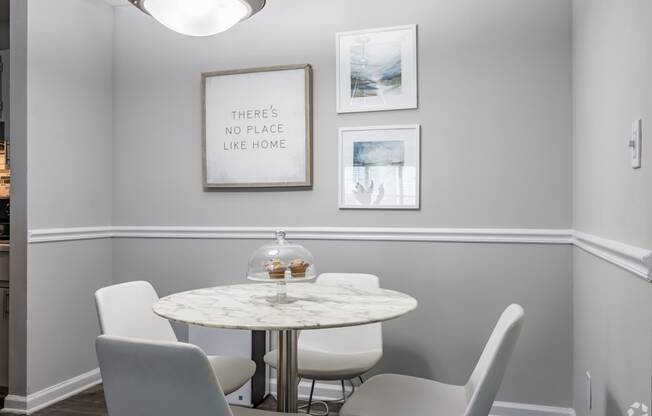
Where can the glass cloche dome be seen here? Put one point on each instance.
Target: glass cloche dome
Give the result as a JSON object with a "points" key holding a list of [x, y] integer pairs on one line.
{"points": [[281, 260]]}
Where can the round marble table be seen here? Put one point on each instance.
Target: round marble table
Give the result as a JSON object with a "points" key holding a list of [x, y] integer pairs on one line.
{"points": [[315, 306]]}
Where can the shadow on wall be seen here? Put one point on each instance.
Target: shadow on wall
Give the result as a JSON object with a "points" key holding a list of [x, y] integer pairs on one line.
{"points": [[411, 364], [612, 407]]}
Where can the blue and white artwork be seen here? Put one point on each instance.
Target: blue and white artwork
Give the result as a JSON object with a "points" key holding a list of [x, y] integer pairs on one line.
{"points": [[380, 167], [375, 69], [379, 153]]}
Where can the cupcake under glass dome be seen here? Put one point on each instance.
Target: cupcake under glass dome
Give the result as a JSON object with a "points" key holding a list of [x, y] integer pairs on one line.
{"points": [[281, 261]]}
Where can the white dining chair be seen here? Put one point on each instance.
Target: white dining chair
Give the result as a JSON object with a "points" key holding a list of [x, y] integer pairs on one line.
{"points": [[126, 310], [338, 353], [393, 394], [162, 378]]}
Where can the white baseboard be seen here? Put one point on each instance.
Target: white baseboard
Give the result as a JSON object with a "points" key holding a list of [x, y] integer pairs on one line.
{"points": [[36, 401], [522, 409], [327, 391], [323, 391]]}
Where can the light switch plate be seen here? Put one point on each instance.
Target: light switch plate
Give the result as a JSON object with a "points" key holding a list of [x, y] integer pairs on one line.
{"points": [[635, 142]]}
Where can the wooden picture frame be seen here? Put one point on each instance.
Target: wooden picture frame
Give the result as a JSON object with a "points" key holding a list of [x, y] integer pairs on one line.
{"points": [[257, 150]]}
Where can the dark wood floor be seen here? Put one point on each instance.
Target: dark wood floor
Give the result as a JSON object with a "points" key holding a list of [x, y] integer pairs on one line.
{"points": [[334, 408], [87, 403], [91, 403]]}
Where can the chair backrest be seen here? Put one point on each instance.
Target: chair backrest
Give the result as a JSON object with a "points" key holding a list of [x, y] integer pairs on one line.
{"points": [[163, 378], [126, 310], [485, 380], [362, 338]]}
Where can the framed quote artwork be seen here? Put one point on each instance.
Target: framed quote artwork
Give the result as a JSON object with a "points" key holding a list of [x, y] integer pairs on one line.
{"points": [[377, 69], [379, 167], [257, 127]]}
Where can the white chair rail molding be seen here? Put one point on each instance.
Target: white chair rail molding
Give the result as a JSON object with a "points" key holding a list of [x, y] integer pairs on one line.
{"points": [[634, 259]]}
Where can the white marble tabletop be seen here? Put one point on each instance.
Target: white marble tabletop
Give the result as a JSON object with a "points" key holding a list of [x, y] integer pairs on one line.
{"points": [[246, 306]]}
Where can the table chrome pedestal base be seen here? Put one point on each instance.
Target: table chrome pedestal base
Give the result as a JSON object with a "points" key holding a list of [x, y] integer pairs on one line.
{"points": [[287, 388]]}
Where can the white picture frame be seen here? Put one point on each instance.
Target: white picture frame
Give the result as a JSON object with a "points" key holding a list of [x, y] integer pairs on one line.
{"points": [[376, 69], [379, 167], [257, 127]]}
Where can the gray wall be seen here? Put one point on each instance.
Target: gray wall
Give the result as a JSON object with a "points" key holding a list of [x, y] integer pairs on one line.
{"points": [[612, 308], [70, 113], [612, 336], [62, 324], [495, 89], [69, 131], [18, 248], [461, 288], [612, 88]]}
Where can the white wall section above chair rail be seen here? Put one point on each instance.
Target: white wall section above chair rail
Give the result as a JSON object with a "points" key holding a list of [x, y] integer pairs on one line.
{"points": [[633, 259]]}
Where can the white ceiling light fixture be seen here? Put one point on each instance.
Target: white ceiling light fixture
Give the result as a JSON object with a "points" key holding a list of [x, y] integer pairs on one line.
{"points": [[199, 17]]}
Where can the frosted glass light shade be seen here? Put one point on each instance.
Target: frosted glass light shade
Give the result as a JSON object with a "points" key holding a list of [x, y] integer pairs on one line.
{"points": [[199, 17]]}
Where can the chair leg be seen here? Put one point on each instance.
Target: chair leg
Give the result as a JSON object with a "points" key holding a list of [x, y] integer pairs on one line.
{"points": [[312, 389], [352, 388]]}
